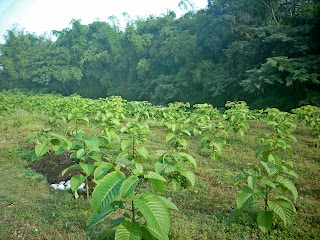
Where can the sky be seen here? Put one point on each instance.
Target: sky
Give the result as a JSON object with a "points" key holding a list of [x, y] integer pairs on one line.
{"points": [[40, 16]]}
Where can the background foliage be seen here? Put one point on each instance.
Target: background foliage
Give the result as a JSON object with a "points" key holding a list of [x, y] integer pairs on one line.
{"points": [[263, 52]]}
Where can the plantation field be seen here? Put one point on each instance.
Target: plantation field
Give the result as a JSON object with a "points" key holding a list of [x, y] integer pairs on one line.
{"points": [[197, 157]]}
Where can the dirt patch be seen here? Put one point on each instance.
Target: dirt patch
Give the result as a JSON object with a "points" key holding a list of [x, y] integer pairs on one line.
{"points": [[51, 166]]}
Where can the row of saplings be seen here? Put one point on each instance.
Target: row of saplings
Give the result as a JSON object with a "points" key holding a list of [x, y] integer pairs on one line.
{"points": [[120, 182]]}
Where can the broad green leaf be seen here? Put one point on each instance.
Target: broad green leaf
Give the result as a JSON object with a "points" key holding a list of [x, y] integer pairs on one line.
{"points": [[260, 149], [126, 144], [128, 231], [165, 167], [169, 205], [123, 155], [88, 168], [287, 184], [270, 167], [203, 143], [268, 183], [186, 132], [219, 146], [146, 235], [80, 153], [55, 142], [183, 142], [189, 175], [101, 170], [139, 168], [62, 138], [123, 162], [154, 175], [95, 156], [85, 119], [74, 166], [170, 137], [128, 186], [264, 220], [174, 127], [143, 151], [247, 196], [32, 136], [155, 233], [97, 217], [76, 181], [107, 189], [283, 208], [114, 223], [93, 144], [189, 158], [157, 186], [252, 181], [155, 213], [41, 149]]}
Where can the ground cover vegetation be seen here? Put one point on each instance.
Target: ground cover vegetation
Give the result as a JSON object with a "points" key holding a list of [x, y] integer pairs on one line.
{"points": [[263, 52], [157, 172]]}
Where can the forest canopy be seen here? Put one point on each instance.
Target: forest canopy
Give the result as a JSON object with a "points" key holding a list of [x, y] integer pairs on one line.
{"points": [[265, 52]]}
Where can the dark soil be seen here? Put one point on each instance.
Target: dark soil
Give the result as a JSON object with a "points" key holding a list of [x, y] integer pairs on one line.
{"points": [[51, 166]]}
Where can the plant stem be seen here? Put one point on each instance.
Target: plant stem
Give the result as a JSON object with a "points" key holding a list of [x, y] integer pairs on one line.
{"points": [[133, 146], [132, 211], [266, 200], [87, 188]]}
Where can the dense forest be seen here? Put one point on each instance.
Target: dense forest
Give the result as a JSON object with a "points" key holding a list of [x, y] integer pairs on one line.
{"points": [[265, 52]]}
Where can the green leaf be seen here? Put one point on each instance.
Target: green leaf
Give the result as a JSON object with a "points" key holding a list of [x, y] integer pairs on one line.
{"points": [[260, 149], [155, 213], [268, 183], [88, 168], [218, 146], [169, 205], [186, 132], [76, 181], [55, 142], [128, 186], [143, 151], [170, 137], [154, 175], [252, 181], [128, 231], [41, 149], [97, 217], [80, 153], [94, 156], [165, 167], [107, 190], [189, 175], [146, 235], [287, 184], [183, 142], [264, 220], [126, 144], [283, 208], [203, 143], [157, 186], [101, 170], [189, 158], [247, 196], [32, 136], [74, 166], [93, 143], [61, 138]]}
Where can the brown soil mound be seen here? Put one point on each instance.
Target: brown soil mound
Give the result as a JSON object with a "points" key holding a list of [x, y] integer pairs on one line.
{"points": [[51, 166]]}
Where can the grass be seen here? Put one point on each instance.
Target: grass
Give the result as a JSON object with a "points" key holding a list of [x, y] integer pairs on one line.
{"points": [[30, 209]]}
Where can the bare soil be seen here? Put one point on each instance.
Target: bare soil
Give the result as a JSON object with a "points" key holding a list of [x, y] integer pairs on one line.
{"points": [[52, 165]]}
